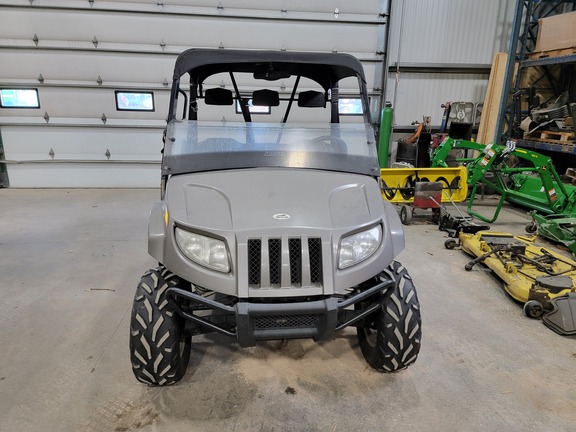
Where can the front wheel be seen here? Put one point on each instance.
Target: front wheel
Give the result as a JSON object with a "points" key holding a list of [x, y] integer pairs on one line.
{"points": [[159, 348], [390, 339]]}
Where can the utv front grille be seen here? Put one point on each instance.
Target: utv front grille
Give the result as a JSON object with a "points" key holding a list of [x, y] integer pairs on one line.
{"points": [[268, 257], [285, 321]]}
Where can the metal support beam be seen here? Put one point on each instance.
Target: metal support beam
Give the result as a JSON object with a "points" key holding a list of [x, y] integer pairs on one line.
{"points": [[460, 68], [510, 67]]}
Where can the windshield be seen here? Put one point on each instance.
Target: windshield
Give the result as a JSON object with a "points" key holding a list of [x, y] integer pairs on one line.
{"points": [[193, 146], [262, 109]]}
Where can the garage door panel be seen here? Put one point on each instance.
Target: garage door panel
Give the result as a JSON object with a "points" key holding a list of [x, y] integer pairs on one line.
{"points": [[81, 66], [35, 143], [364, 7], [56, 175], [61, 66], [133, 31], [89, 103]]}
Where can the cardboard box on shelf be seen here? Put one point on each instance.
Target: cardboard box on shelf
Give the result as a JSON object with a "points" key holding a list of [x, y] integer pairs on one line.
{"points": [[557, 32]]}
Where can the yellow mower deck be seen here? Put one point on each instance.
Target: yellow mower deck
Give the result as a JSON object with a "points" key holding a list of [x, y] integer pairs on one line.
{"points": [[529, 272]]}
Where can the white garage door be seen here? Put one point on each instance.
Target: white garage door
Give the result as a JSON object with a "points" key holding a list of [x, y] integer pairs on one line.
{"points": [[78, 54]]}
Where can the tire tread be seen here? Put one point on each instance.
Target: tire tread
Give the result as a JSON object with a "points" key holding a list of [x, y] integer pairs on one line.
{"points": [[156, 332], [397, 325]]}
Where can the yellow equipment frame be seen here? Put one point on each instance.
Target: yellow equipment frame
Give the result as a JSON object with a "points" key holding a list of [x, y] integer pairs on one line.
{"points": [[398, 184], [520, 277]]}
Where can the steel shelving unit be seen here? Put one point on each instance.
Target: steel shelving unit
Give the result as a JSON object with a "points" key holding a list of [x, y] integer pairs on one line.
{"points": [[553, 74]]}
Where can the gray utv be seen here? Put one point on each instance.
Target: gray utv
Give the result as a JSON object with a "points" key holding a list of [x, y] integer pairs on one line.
{"points": [[268, 228]]}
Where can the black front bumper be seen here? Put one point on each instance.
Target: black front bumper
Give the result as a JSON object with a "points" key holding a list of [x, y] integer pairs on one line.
{"points": [[250, 322]]}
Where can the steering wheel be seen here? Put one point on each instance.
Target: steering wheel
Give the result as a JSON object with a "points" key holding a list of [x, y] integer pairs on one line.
{"points": [[330, 144]]}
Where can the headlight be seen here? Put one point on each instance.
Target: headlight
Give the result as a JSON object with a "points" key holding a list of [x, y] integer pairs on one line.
{"points": [[206, 251], [357, 247]]}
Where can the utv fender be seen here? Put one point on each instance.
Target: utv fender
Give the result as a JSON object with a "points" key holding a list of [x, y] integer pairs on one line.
{"points": [[156, 232], [394, 226]]}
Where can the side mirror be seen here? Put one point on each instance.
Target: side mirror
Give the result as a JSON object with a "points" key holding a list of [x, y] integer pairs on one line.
{"points": [[311, 99], [265, 97], [218, 96]]}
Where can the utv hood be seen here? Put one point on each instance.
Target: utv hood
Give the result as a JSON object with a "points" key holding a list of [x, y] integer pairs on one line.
{"points": [[248, 200]]}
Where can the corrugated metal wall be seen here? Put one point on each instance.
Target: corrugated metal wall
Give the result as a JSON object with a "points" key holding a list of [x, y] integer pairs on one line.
{"points": [[456, 35]]}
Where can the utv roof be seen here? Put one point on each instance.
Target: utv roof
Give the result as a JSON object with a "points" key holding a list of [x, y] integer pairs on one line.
{"points": [[324, 68]]}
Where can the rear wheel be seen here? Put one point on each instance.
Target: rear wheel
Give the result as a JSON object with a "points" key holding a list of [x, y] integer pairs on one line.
{"points": [[159, 349], [390, 339]]}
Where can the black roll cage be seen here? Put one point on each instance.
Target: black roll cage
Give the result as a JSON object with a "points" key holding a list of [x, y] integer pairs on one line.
{"points": [[326, 69]]}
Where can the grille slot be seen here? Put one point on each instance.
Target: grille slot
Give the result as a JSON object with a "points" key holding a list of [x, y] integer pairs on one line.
{"points": [[284, 262], [295, 252], [315, 255], [275, 261], [254, 260], [285, 321]]}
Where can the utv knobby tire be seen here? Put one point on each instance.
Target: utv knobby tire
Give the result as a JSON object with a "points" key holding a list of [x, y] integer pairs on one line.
{"points": [[159, 349], [390, 340]]}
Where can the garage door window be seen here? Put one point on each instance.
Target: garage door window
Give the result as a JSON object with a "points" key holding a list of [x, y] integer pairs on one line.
{"points": [[253, 108], [350, 106], [134, 101], [19, 98]]}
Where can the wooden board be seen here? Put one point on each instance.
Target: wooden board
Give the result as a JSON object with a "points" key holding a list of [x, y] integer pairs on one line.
{"points": [[487, 126], [551, 136]]}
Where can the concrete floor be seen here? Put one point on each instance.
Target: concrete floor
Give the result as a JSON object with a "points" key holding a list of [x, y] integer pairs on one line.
{"points": [[70, 261]]}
